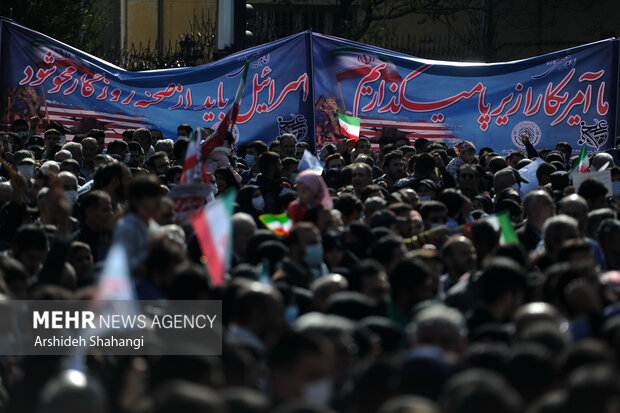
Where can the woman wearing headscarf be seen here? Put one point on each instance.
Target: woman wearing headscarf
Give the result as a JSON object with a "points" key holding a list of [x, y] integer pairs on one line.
{"points": [[250, 200], [311, 192], [225, 179]]}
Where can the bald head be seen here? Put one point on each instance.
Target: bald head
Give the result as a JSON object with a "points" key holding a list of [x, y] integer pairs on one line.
{"points": [[62, 155], [459, 256], [51, 167], [259, 308], [323, 287], [440, 326], [408, 404], [538, 206], [68, 181], [72, 392], [600, 159], [577, 207], [557, 230], [531, 313]]}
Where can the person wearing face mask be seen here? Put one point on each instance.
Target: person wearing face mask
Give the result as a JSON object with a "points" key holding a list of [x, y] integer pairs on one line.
{"points": [[250, 200], [253, 151], [220, 157], [69, 185], [21, 129], [304, 263], [26, 168], [269, 180], [15, 142]]}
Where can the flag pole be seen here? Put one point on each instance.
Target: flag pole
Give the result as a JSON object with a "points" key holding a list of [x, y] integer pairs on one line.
{"points": [[47, 112], [237, 102], [342, 99]]}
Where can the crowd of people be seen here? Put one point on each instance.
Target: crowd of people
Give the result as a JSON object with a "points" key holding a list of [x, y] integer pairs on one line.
{"points": [[394, 291]]}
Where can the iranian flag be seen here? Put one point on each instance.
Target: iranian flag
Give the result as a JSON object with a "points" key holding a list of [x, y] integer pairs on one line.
{"points": [[502, 223], [193, 158], [582, 164], [349, 126], [212, 225], [281, 224], [352, 62], [218, 137]]}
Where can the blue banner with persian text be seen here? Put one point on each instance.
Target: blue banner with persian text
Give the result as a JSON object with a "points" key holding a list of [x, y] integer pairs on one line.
{"points": [[564, 96], [41, 76], [298, 84]]}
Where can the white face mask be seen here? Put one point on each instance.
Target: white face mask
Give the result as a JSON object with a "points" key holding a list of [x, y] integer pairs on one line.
{"points": [[127, 157], [258, 203], [71, 196], [318, 392], [424, 198], [27, 171]]}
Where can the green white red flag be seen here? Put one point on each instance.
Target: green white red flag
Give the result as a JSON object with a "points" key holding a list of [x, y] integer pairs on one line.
{"points": [[502, 223], [193, 158], [582, 164], [212, 226], [281, 224], [350, 62], [349, 126]]}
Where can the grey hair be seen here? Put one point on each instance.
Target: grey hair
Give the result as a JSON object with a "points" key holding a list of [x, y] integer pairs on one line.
{"points": [[437, 315], [164, 144]]}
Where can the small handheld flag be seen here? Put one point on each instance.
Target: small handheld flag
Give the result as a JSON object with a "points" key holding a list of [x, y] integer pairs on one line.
{"points": [[582, 164], [349, 126], [212, 225], [280, 224], [501, 222]]}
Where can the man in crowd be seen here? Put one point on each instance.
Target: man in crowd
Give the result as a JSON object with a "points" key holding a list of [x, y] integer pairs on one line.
{"points": [[391, 292]]}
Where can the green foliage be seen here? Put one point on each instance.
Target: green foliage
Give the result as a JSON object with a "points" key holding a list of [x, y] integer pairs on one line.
{"points": [[79, 23]]}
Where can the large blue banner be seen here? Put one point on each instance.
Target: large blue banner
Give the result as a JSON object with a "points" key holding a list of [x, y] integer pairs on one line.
{"points": [[41, 76], [563, 96], [299, 84]]}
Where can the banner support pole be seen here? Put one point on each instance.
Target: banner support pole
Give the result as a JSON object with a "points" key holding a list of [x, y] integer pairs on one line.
{"points": [[342, 99], [47, 112]]}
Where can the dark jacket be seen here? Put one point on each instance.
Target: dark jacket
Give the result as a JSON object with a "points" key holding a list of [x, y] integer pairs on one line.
{"points": [[271, 193], [98, 246], [528, 236]]}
